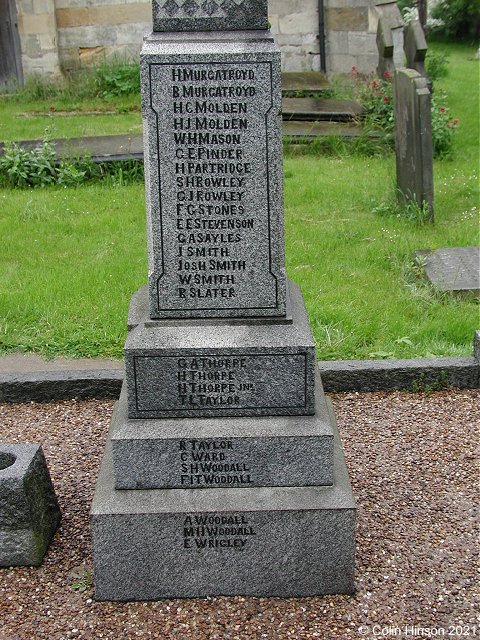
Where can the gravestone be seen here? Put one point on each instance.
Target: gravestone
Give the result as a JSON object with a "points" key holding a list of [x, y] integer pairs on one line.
{"points": [[223, 472], [389, 37], [29, 511], [413, 139], [415, 47], [454, 269], [386, 66]]}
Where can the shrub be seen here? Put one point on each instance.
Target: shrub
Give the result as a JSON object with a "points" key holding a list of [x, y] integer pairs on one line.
{"points": [[117, 79], [108, 79], [21, 167], [405, 4], [376, 97], [443, 127], [39, 167], [436, 65]]}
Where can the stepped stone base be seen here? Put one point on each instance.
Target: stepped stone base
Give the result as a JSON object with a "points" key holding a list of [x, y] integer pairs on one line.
{"points": [[228, 452], [184, 543], [205, 370]]}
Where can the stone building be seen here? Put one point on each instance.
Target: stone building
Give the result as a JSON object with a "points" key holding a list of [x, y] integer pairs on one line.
{"points": [[48, 36]]}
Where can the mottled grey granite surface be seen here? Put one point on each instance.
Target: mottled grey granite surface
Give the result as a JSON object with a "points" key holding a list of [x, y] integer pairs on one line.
{"points": [[223, 472], [29, 511], [184, 543], [213, 452], [139, 310], [185, 370], [209, 15], [213, 170], [337, 375]]}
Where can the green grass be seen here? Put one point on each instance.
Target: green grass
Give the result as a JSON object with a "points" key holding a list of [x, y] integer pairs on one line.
{"points": [[99, 101], [32, 120], [356, 268], [74, 256], [461, 88], [71, 260]]}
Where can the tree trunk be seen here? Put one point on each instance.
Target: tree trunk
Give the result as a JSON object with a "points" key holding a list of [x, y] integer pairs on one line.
{"points": [[422, 12]]}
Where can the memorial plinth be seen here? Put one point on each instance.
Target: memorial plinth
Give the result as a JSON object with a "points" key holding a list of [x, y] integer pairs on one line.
{"points": [[179, 370], [212, 452], [213, 161], [223, 472], [186, 543]]}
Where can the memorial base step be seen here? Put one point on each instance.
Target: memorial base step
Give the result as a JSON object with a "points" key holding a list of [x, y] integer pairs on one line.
{"points": [[186, 543], [208, 370], [223, 452]]}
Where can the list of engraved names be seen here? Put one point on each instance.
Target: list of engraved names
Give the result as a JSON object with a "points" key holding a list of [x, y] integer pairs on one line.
{"points": [[213, 183]]}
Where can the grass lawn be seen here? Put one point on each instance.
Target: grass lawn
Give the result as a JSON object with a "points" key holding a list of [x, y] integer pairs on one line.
{"points": [[69, 119], [73, 256]]}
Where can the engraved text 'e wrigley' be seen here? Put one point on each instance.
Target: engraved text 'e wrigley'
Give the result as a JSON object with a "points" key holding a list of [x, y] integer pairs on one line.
{"points": [[217, 532]]}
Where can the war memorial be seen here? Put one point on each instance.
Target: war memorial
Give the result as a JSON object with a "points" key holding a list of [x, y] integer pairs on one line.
{"points": [[223, 472]]}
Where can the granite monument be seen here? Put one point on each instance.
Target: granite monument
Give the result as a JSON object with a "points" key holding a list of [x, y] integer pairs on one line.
{"points": [[223, 472]]}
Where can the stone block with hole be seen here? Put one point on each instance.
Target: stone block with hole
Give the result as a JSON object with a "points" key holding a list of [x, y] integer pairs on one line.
{"points": [[29, 511]]}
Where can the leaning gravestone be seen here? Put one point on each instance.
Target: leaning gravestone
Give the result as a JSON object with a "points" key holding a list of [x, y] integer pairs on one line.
{"points": [[413, 139], [386, 66], [223, 472], [389, 37], [415, 47]]}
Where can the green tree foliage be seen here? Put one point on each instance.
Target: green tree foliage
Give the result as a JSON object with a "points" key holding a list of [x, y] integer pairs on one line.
{"points": [[460, 19], [405, 4]]}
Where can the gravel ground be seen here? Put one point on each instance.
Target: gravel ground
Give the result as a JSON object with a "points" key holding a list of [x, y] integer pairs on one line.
{"points": [[414, 468]]}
